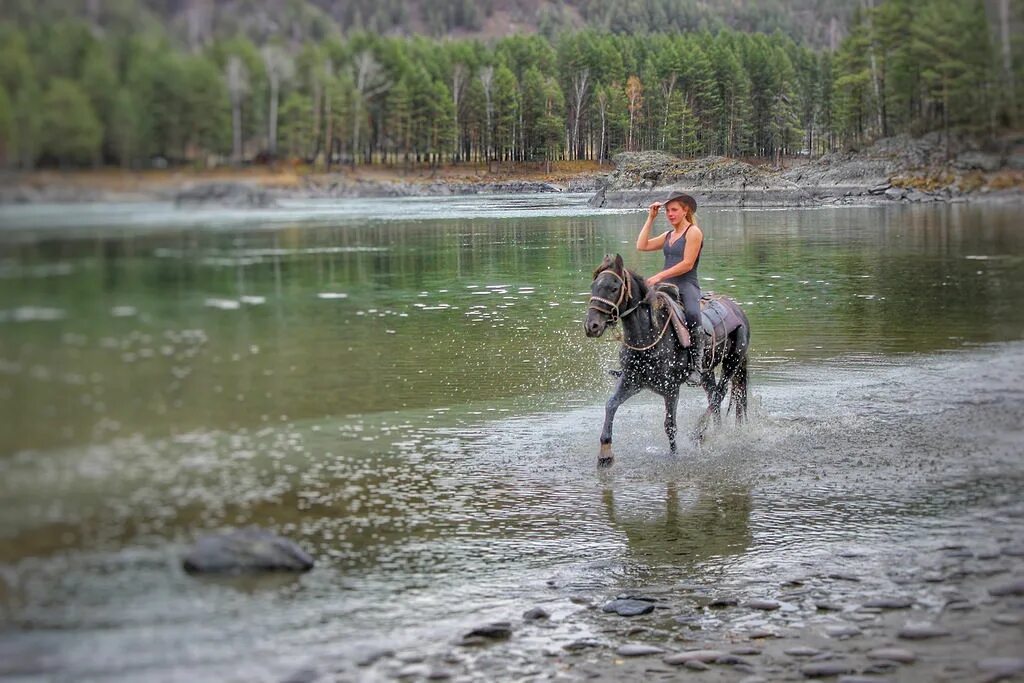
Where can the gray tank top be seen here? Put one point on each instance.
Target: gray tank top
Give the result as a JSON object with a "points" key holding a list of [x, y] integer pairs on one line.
{"points": [[674, 255]]}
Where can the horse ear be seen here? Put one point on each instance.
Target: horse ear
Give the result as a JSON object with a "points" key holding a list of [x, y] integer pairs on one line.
{"points": [[605, 265], [618, 263]]}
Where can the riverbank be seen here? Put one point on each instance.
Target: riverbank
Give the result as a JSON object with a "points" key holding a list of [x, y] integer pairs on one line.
{"points": [[901, 169]]}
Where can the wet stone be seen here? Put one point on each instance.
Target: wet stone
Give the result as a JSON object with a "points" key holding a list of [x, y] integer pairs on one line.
{"points": [[372, 656], [628, 607], [696, 665], [921, 632], [861, 679], [933, 577], [536, 613], [638, 650], [959, 605], [244, 551], [724, 602], [498, 630], [746, 650], [1008, 619], [732, 660], [1002, 666], [438, 675], [889, 603], [305, 675], [828, 606], [842, 576], [754, 679], [892, 654], [705, 656], [767, 605], [801, 651], [582, 644], [762, 633], [1014, 550], [823, 669], [1015, 587], [842, 631]]}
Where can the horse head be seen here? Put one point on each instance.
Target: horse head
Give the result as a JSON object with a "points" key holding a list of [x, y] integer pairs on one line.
{"points": [[614, 293]]}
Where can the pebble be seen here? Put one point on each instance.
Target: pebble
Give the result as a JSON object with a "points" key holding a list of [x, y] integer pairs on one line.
{"points": [[732, 660], [438, 675], [861, 679], [933, 577], [802, 651], [705, 656], [582, 644], [628, 607], [893, 654], [1003, 666], [828, 606], [762, 633], [1008, 619], [754, 679], [498, 630], [746, 650], [767, 605], [638, 650], [1014, 550], [536, 613], [840, 576], [306, 675], [921, 632], [842, 631], [696, 665], [820, 669], [1013, 588], [370, 657], [889, 603], [724, 602]]}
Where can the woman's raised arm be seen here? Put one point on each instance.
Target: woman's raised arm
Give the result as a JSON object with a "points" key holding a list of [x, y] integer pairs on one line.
{"points": [[644, 241]]}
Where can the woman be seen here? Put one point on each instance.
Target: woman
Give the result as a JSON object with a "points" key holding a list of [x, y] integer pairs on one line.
{"points": [[681, 246]]}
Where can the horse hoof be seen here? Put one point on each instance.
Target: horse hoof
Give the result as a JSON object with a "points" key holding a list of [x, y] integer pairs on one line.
{"points": [[605, 461]]}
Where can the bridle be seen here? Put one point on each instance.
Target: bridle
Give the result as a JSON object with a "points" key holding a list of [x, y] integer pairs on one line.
{"points": [[613, 310], [625, 294]]}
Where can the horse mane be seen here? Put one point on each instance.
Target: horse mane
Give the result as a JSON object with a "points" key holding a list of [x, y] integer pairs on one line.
{"points": [[639, 283]]}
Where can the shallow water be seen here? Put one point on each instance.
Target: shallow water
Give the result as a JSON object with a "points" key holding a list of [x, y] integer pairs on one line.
{"points": [[414, 401]]}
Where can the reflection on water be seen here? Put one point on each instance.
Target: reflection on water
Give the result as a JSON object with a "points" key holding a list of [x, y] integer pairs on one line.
{"points": [[671, 529], [415, 403]]}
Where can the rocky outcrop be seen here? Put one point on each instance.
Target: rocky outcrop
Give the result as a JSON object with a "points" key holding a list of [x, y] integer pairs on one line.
{"points": [[899, 168], [645, 177]]}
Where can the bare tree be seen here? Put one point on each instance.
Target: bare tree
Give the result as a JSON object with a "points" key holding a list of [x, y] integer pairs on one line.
{"points": [[370, 82], [667, 87], [580, 82], [1004, 39], [602, 107], [460, 75], [238, 88], [486, 77], [198, 17], [279, 66], [635, 97]]}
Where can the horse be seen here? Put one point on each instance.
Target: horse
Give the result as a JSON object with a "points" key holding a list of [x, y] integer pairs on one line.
{"points": [[655, 359]]}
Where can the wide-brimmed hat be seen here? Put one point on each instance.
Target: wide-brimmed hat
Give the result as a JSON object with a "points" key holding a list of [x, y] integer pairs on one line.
{"points": [[678, 196]]}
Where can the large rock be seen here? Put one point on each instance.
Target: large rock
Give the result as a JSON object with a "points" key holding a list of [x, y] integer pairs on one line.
{"points": [[245, 551], [644, 177]]}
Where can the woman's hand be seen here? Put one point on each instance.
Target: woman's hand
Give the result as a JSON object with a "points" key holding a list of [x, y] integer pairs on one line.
{"points": [[653, 280], [653, 209]]}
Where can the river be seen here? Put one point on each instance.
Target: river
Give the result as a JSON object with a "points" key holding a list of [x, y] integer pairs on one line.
{"points": [[404, 388]]}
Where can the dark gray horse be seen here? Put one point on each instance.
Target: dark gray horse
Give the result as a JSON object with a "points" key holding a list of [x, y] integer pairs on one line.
{"points": [[652, 356]]}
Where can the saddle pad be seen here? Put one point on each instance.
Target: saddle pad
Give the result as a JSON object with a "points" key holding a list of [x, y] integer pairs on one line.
{"points": [[717, 317]]}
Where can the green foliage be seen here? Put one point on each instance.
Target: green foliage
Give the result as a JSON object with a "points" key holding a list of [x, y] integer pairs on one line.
{"points": [[647, 74], [73, 133]]}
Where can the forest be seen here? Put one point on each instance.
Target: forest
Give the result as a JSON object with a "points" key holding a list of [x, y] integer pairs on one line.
{"points": [[113, 85]]}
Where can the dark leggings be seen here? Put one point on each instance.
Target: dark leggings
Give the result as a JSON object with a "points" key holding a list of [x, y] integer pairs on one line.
{"points": [[689, 294]]}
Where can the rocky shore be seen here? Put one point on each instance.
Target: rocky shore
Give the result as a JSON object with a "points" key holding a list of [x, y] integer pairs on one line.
{"points": [[893, 169], [901, 169]]}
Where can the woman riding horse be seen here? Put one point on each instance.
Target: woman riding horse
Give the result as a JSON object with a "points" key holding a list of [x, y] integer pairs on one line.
{"points": [[681, 246]]}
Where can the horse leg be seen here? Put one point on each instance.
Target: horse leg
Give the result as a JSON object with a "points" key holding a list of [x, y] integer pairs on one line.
{"points": [[708, 382], [671, 401], [623, 391], [739, 382]]}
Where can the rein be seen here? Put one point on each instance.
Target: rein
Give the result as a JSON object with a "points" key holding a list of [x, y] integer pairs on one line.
{"points": [[625, 294]]}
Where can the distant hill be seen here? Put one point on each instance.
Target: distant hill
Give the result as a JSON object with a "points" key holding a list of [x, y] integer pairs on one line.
{"points": [[815, 23]]}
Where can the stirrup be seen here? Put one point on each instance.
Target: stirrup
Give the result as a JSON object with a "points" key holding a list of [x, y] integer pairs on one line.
{"points": [[695, 382]]}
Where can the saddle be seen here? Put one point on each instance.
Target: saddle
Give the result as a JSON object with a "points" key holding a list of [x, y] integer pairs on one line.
{"points": [[718, 319]]}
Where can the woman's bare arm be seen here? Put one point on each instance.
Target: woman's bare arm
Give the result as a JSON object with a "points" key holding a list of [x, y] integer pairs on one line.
{"points": [[644, 242]]}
